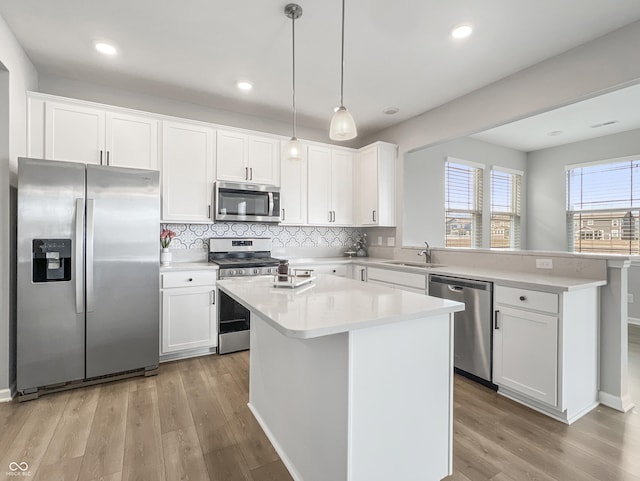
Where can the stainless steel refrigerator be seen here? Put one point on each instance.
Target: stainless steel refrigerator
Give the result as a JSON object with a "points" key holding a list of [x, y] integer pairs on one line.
{"points": [[88, 272]]}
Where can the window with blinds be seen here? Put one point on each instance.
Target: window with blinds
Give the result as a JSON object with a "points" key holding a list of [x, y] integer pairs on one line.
{"points": [[603, 206], [463, 204], [506, 189]]}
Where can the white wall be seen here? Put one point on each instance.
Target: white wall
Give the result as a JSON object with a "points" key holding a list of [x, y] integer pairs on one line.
{"points": [[76, 89], [423, 198], [604, 64], [19, 75]]}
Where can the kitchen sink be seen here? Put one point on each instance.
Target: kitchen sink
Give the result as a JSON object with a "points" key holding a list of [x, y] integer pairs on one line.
{"points": [[414, 264]]}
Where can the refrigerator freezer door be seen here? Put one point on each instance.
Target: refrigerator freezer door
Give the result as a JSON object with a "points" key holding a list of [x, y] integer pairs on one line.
{"points": [[50, 318], [123, 220]]}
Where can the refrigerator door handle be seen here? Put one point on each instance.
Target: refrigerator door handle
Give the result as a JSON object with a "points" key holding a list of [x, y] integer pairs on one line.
{"points": [[89, 256], [78, 261]]}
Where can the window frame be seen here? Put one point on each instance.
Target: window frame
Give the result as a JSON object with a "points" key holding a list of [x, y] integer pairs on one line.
{"points": [[475, 214], [514, 215]]}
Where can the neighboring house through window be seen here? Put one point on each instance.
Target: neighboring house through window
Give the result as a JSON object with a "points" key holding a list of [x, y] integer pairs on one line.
{"points": [[506, 187], [463, 203]]}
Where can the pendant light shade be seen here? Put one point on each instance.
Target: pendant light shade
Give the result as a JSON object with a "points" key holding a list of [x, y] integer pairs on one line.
{"points": [[293, 149], [342, 127]]}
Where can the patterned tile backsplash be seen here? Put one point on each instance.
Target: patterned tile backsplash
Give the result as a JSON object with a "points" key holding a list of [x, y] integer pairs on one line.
{"points": [[196, 236]]}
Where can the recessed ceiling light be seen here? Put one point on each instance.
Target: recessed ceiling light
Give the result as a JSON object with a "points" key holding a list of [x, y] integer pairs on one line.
{"points": [[391, 110], [462, 31], [105, 48], [244, 85], [604, 124], [555, 133]]}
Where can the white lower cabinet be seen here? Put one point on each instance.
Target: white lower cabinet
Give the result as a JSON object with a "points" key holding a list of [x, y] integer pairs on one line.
{"points": [[189, 311], [525, 353], [545, 349]]}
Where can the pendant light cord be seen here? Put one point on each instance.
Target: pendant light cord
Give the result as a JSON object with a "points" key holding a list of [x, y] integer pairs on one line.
{"points": [[342, 63], [293, 35]]}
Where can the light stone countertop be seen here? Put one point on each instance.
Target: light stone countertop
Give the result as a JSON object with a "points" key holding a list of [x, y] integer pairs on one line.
{"points": [[331, 305], [188, 266], [509, 278]]}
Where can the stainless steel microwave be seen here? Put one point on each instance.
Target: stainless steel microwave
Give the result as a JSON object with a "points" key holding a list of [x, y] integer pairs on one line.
{"points": [[238, 202]]}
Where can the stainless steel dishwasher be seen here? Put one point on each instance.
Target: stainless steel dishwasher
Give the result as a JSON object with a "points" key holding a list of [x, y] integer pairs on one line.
{"points": [[472, 327]]}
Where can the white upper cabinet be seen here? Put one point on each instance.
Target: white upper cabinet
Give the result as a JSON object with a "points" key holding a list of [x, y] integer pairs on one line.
{"points": [[131, 141], [375, 173], [187, 172], [247, 158], [81, 133], [293, 190], [330, 186]]}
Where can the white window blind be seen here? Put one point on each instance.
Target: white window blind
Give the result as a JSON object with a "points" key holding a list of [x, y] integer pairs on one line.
{"points": [[603, 206], [506, 190], [463, 205]]}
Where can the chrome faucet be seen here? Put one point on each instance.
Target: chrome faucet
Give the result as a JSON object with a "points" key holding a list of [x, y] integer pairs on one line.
{"points": [[426, 253]]}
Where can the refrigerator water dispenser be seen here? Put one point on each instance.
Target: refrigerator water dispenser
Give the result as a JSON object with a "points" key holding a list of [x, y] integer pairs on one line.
{"points": [[51, 260]]}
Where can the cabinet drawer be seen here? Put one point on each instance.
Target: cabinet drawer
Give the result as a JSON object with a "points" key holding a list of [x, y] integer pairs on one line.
{"points": [[525, 298], [189, 279], [399, 279]]}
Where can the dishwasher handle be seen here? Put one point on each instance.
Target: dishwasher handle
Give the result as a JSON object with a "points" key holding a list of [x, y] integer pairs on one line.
{"points": [[455, 288], [458, 282]]}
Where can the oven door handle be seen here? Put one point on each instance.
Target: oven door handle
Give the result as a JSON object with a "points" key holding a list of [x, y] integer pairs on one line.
{"points": [[270, 195]]}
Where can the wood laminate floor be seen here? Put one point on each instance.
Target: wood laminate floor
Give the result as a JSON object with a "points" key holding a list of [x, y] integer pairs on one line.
{"points": [[191, 422]]}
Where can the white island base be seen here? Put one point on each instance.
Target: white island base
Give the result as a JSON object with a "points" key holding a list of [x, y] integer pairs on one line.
{"points": [[371, 404]]}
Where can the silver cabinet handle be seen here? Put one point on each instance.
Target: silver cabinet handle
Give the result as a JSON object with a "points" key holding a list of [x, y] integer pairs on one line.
{"points": [[209, 211], [213, 297], [250, 173], [329, 216], [362, 274], [89, 256], [283, 217], [246, 173], [495, 320], [101, 157], [78, 256], [374, 216], [108, 158]]}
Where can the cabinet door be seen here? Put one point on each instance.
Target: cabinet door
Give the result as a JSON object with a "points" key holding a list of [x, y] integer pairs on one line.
{"points": [[264, 160], [74, 133], [187, 172], [293, 191], [188, 319], [319, 185], [367, 192], [342, 187], [131, 141], [525, 353], [231, 156]]}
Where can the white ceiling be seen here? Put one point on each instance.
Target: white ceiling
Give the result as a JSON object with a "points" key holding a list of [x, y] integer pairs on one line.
{"points": [[573, 123], [397, 54]]}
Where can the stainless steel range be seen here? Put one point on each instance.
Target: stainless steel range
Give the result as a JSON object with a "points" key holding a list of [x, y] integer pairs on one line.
{"points": [[238, 258]]}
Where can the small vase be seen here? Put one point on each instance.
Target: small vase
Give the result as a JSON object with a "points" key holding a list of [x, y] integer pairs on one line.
{"points": [[361, 253], [165, 256]]}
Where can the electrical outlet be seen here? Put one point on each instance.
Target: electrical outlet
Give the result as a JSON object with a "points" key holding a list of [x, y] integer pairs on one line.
{"points": [[391, 241], [630, 298], [544, 263], [379, 240]]}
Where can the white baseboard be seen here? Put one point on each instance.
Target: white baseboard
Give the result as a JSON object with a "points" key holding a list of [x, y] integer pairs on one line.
{"points": [[634, 320], [619, 403], [6, 395]]}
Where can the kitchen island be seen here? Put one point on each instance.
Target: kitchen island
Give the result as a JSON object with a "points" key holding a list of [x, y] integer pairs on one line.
{"points": [[351, 381]]}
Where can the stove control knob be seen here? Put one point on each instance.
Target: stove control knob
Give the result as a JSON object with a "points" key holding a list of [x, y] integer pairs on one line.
{"points": [[231, 272], [256, 271], [241, 272]]}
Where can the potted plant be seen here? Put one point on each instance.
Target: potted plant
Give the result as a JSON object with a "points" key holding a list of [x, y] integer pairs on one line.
{"points": [[166, 236]]}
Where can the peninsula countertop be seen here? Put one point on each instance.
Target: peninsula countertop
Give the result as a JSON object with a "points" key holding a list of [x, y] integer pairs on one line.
{"points": [[331, 305]]}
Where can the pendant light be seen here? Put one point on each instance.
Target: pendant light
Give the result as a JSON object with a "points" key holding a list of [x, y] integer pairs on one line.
{"points": [[343, 127], [293, 149]]}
